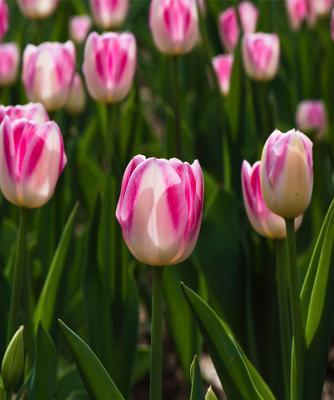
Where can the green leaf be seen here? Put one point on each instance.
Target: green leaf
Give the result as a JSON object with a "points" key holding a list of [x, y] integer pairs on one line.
{"points": [[46, 304], [238, 376], [96, 379], [43, 383], [68, 381], [196, 381], [210, 394]]}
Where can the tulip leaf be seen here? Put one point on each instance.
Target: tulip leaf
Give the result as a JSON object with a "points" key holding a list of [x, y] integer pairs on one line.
{"points": [[196, 381], [46, 304], [98, 383], [238, 376], [68, 382]]}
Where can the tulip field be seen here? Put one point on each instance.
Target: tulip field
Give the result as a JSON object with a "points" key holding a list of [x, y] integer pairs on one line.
{"points": [[166, 199]]}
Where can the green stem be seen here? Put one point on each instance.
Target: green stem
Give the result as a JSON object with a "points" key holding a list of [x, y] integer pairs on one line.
{"points": [[18, 276], [297, 359], [156, 335], [176, 151], [283, 310]]}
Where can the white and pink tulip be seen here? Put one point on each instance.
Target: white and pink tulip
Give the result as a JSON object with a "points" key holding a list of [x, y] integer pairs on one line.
{"points": [[298, 11], [30, 111], [223, 65], [76, 100], [4, 18], [311, 116], [160, 209], [37, 9], [9, 63], [249, 15], [79, 28], [109, 14]]}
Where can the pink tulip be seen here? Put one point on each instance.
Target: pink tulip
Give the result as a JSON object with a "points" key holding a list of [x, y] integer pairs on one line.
{"points": [[249, 15], [264, 221], [109, 65], [32, 158], [9, 62], [297, 12], [174, 25], [320, 8], [261, 53], [79, 28], [37, 9], [287, 173], [311, 116], [223, 65], [48, 70], [4, 17], [160, 209], [31, 111], [109, 13], [76, 100], [229, 28]]}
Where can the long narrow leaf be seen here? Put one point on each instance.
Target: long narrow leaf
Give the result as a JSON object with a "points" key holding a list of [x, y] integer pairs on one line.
{"points": [[196, 381]]}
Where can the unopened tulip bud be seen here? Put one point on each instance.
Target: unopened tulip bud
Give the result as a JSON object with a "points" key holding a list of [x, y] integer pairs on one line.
{"points": [[79, 28], [37, 9], [4, 18], [287, 173], [32, 158], [174, 25], [160, 209], [48, 71], [109, 65], [9, 62], [223, 65], [311, 117], [76, 101], [249, 15], [229, 28], [210, 394], [109, 14], [263, 220], [31, 111], [297, 12], [261, 53]]}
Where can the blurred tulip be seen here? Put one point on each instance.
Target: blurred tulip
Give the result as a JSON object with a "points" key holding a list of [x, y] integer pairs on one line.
{"points": [[311, 116], [48, 70], [249, 15], [32, 158], [31, 111], [174, 25], [261, 53], [223, 65], [297, 12], [160, 209], [287, 173], [109, 13], [37, 9], [79, 28], [229, 28], [4, 18], [9, 62], [264, 221], [320, 8], [109, 65], [76, 100]]}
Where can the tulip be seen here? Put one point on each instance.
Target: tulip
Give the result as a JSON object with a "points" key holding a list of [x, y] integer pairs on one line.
{"points": [[160, 209], [261, 52], [109, 65], [79, 28], [4, 17], [37, 9], [320, 8], [229, 28], [297, 12], [48, 70], [109, 13], [223, 65], [31, 111], [264, 221], [249, 15], [9, 62], [287, 173], [311, 116], [174, 25], [32, 158], [76, 101]]}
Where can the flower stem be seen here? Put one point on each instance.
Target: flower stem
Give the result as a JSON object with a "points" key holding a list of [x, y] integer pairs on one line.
{"points": [[297, 355], [176, 151], [156, 335], [18, 276]]}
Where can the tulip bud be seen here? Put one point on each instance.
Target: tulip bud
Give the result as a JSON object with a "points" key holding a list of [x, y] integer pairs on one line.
{"points": [[37, 9], [48, 71], [32, 158], [297, 12], [260, 52], [31, 111], [311, 116], [13, 361], [223, 65], [79, 28], [109, 65], [249, 15], [160, 209], [210, 394], [109, 14], [9, 62], [229, 28], [4, 18], [264, 221], [287, 173], [76, 101], [174, 25]]}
